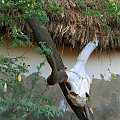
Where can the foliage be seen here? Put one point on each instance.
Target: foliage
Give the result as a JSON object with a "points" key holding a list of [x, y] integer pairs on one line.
{"points": [[43, 49], [15, 96], [113, 75], [27, 8], [20, 38], [14, 14], [18, 98], [101, 11]]}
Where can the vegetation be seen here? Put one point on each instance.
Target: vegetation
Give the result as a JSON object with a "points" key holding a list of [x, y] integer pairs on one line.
{"points": [[17, 99], [101, 10], [15, 96], [13, 15]]}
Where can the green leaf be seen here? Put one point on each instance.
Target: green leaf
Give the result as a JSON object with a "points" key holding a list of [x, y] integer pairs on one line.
{"points": [[16, 43], [1, 40], [113, 76], [39, 50]]}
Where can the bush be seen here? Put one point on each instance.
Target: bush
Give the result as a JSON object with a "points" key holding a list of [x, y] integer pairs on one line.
{"points": [[19, 100]]}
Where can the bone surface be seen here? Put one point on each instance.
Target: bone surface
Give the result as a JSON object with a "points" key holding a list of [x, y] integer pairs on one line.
{"points": [[77, 77]]}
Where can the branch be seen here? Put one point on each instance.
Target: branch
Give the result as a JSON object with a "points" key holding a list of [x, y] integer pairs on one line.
{"points": [[55, 62], [41, 35]]}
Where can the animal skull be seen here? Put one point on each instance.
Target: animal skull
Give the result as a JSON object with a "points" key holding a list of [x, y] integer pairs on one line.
{"points": [[78, 83]]}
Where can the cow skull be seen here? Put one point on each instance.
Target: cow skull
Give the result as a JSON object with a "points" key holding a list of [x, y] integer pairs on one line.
{"points": [[78, 82]]}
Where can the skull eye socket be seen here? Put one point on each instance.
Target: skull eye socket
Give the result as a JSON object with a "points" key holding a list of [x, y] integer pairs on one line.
{"points": [[68, 85], [73, 94], [87, 95]]}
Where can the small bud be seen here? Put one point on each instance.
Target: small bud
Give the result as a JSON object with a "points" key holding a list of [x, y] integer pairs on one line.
{"points": [[19, 78], [110, 1], [5, 87], [91, 110], [62, 14]]}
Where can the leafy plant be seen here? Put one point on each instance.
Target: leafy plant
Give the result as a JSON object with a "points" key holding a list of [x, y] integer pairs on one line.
{"points": [[14, 14], [101, 10], [113, 75], [19, 99], [43, 49], [20, 39]]}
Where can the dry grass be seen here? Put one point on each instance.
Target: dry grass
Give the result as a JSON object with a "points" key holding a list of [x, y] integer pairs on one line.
{"points": [[76, 30]]}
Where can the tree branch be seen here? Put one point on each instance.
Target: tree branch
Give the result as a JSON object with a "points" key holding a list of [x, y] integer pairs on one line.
{"points": [[41, 35], [55, 62]]}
